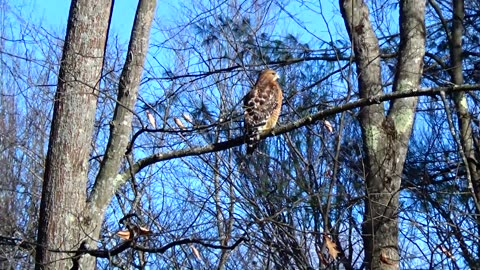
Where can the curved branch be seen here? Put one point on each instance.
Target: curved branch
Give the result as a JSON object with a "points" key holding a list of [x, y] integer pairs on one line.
{"points": [[189, 241], [308, 120], [107, 253]]}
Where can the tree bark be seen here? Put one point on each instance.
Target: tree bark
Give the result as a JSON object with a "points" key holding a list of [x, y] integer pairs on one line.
{"points": [[62, 225], [108, 181], [67, 218], [463, 115], [461, 104], [385, 136]]}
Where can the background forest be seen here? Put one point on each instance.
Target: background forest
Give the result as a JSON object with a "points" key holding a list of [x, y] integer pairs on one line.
{"points": [[129, 155]]}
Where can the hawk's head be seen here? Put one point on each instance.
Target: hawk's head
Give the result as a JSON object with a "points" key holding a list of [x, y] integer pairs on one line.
{"points": [[267, 76]]}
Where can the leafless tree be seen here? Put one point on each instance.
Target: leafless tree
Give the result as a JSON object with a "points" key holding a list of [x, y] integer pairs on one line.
{"points": [[372, 165]]}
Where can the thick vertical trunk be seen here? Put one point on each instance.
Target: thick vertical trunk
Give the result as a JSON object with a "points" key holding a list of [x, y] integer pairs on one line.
{"points": [[107, 182], [62, 225], [67, 218], [463, 114], [385, 138]]}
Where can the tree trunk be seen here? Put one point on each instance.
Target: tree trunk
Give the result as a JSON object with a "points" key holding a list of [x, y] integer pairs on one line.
{"points": [[78, 220], [107, 182], [463, 114], [385, 138], [460, 99], [62, 225]]}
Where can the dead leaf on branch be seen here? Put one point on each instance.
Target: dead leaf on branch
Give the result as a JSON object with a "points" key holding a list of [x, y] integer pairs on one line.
{"points": [[328, 125], [385, 259], [137, 230], [179, 123], [196, 252], [124, 234], [331, 246], [187, 118], [151, 119], [322, 258], [143, 230], [447, 252]]}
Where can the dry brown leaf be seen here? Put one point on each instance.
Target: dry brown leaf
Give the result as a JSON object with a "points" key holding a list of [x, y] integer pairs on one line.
{"points": [[448, 253], [332, 247], [322, 258], [151, 119], [179, 123], [196, 252], [187, 118], [137, 230], [124, 234], [328, 125], [385, 259], [142, 230]]}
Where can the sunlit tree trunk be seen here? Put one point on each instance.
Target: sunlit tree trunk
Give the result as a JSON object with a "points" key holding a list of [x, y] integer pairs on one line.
{"points": [[463, 114], [62, 225], [67, 218], [385, 134]]}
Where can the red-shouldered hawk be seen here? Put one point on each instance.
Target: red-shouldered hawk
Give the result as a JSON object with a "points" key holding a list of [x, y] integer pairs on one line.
{"points": [[262, 108]]}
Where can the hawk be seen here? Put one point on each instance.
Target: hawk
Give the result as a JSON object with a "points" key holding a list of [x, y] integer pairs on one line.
{"points": [[262, 107]]}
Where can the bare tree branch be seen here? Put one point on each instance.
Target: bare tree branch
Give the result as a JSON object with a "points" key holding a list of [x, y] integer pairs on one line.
{"points": [[142, 163]]}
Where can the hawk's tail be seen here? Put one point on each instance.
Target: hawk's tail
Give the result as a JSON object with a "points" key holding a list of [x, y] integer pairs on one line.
{"points": [[251, 147], [252, 141]]}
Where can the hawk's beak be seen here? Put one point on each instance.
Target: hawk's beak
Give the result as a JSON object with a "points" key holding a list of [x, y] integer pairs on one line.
{"points": [[276, 77]]}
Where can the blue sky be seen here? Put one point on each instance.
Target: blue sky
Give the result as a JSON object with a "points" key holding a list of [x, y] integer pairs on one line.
{"points": [[54, 14]]}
